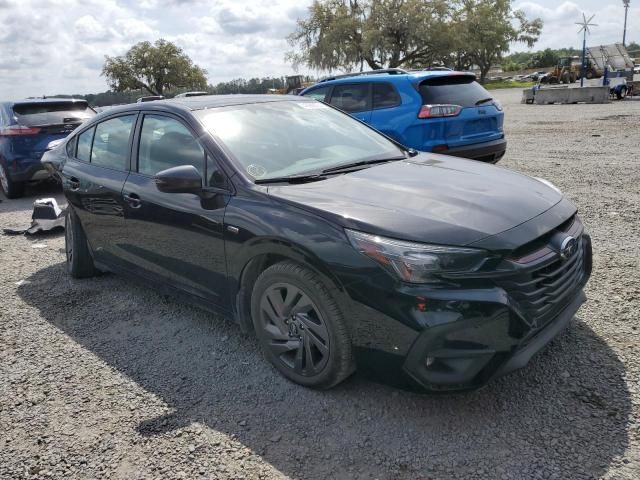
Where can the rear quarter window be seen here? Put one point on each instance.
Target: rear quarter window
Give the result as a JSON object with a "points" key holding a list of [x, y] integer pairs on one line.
{"points": [[85, 139], [351, 98], [452, 90], [385, 96]]}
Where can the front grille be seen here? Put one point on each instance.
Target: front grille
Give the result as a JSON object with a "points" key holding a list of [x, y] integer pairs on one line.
{"points": [[545, 287]]}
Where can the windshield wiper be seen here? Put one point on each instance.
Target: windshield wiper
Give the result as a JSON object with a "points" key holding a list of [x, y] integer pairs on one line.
{"points": [[351, 166], [484, 100], [292, 179]]}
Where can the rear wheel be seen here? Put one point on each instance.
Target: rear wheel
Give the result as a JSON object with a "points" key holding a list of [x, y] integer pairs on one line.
{"points": [[79, 259], [300, 326], [10, 188], [621, 93]]}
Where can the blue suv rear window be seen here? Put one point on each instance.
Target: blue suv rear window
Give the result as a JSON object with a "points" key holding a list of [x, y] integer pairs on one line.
{"points": [[460, 90]]}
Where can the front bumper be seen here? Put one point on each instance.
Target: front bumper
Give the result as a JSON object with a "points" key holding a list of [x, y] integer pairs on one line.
{"points": [[437, 363], [448, 339], [489, 152]]}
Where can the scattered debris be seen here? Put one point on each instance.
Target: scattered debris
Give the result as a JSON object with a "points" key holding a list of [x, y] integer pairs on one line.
{"points": [[46, 216]]}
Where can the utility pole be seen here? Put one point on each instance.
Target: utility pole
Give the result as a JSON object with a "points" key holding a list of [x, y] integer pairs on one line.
{"points": [[584, 27], [626, 12]]}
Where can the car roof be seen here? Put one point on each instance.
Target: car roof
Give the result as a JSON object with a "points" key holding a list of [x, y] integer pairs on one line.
{"points": [[190, 104], [411, 75], [48, 100]]}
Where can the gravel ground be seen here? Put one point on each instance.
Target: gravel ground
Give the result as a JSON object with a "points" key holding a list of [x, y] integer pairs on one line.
{"points": [[104, 378]]}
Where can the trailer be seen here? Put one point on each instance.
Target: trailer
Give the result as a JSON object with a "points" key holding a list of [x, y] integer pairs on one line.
{"points": [[614, 58]]}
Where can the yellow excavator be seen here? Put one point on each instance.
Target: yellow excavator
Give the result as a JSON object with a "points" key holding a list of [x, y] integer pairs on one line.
{"points": [[295, 84]]}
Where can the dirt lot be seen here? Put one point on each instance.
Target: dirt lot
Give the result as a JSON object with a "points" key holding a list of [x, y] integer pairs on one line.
{"points": [[105, 378]]}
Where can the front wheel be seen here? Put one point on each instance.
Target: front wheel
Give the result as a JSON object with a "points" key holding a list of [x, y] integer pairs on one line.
{"points": [[10, 188], [300, 326]]}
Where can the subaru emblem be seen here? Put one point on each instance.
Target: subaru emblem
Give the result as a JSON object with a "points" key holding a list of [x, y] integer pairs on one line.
{"points": [[568, 247]]}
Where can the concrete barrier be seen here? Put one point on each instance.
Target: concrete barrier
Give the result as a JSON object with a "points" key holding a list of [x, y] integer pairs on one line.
{"points": [[545, 96]]}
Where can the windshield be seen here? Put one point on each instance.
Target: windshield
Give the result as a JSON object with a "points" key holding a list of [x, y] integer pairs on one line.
{"points": [[278, 139]]}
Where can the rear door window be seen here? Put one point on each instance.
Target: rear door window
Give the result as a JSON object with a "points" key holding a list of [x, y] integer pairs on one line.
{"points": [[351, 98], [385, 96], [460, 90], [53, 113], [111, 143]]}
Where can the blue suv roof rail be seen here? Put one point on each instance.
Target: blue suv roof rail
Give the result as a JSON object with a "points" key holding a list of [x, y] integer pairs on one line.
{"points": [[391, 71]]}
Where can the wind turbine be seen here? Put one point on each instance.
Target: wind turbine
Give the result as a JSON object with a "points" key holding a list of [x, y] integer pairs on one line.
{"points": [[626, 11], [584, 28]]}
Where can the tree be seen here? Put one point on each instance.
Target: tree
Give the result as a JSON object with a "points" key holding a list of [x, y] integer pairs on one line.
{"points": [[343, 34], [154, 68], [488, 27]]}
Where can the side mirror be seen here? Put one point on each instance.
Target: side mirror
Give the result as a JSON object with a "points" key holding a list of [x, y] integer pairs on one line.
{"points": [[182, 179]]}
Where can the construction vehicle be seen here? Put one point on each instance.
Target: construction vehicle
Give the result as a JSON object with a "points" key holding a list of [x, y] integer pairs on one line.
{"points": [[614, 58], [294, 85], [568, 71]]}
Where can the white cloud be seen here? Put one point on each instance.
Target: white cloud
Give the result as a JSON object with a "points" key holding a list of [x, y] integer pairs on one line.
{"points": [[560, 29], [58, 46], [89, 28]]}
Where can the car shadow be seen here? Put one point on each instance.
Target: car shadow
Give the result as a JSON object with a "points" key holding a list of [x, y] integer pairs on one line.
{"points": [[566, 413]]}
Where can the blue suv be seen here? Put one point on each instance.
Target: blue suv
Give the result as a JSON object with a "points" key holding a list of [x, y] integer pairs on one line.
{"points": [[26, 129], [432, 111]]}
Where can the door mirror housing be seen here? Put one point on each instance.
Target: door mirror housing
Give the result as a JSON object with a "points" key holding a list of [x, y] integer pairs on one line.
{"points": [[182, 179]]}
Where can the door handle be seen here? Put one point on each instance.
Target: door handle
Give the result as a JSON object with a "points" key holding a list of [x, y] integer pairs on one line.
{"points": [[133, 200], [74, 183]]}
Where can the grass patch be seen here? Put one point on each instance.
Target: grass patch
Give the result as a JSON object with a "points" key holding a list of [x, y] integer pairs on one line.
{"points": [[508, 84]]}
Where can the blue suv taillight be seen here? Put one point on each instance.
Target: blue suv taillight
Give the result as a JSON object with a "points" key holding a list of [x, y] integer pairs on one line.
{"points": [[439, 111]]}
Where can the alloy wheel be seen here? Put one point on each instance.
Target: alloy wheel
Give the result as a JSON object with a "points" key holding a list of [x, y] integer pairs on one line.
{"points": [[295, 331]]}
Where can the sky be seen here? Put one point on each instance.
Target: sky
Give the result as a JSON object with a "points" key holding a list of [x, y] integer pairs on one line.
{"points": [[58, 46]]}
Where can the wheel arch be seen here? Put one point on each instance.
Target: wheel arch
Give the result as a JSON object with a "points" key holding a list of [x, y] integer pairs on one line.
{"points": [[267, 254]]}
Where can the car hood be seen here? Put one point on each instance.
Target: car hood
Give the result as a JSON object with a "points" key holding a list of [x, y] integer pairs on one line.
{"points": [[428, 198]]}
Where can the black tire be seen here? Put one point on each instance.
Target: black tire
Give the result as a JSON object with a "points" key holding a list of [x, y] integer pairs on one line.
{"points": [[10, 188], [589, 75], [621, 93], [566, 77], [301, 327], [79, 259]]}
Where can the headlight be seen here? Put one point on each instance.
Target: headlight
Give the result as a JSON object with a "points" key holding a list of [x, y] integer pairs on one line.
{"points": [[497, 104], [549, 184], [416, 262]]}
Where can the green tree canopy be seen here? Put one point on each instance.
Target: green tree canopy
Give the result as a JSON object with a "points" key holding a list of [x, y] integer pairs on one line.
{"points": [[343, 34], [488, 27], [153, 67], [346, 34]]}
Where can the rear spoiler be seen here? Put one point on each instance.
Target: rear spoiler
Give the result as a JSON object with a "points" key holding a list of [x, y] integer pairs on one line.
{"points": [[447, 76]]}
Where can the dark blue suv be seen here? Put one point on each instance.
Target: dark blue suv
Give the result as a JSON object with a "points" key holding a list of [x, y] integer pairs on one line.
{"points": [[26, 128], [432, 111]]}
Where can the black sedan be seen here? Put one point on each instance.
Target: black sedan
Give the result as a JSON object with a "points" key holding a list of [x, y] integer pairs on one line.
{"points": [[337, 246]]}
